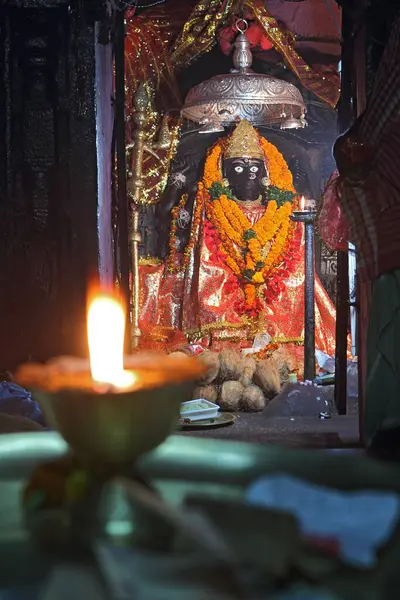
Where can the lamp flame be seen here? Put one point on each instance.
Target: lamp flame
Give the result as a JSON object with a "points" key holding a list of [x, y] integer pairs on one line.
{"points": [[106, 332], [302, 203]]}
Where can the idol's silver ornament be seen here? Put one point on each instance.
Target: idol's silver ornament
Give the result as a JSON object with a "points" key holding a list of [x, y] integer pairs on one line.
{"points": [[244, 94]]}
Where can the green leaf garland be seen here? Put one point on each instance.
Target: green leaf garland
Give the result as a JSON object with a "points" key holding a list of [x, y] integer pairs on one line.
{"points": [[280, 196]]}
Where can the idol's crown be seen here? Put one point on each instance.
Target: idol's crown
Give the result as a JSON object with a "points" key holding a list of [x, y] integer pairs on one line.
{"points": [[244, 142]]}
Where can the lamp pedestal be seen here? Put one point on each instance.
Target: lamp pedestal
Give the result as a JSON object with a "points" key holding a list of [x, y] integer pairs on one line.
{"points": [[308, 218]]}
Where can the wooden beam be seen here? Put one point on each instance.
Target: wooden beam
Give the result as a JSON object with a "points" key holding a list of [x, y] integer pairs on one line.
{"points": [[345, 119]]}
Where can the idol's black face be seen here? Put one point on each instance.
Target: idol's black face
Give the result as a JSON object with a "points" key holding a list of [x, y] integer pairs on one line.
{"points": [[244, 176]]}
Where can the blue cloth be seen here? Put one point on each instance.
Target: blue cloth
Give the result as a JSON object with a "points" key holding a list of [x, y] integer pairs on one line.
{"points": [[15, 400]]}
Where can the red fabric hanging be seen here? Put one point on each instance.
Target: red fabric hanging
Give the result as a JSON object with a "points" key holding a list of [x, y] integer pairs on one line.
{"points": [[332, 223]]}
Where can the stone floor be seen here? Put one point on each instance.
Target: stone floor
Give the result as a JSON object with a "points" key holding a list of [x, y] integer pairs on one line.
{"points": [[292, 420]]}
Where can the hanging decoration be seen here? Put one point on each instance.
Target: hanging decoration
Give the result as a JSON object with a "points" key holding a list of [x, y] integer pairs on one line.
{"points": [[323, 86], [149, 39], [199, 33], [148, 46], [332, 224]]}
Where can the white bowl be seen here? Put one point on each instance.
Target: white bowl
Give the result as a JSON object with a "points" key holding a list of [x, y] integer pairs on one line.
{"points": [[199, 410]]}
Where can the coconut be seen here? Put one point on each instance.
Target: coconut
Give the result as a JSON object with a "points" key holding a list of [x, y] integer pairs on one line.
{"points": [[230, 395], [253, 399], [211, 361], [231, 365], [284, 372], [285, 362], [249, 367], [208, 392], [267, 377]]}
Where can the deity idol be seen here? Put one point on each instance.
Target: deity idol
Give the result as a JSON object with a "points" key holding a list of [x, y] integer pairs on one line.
{"points": [[235, 261]]}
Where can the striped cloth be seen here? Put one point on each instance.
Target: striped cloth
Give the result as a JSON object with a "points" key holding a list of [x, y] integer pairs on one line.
{"points": [[368, 159]]}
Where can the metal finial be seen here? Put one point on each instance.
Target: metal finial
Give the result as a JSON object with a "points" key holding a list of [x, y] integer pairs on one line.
{"points": [[141, 100], [164, 138], [242, 56]]}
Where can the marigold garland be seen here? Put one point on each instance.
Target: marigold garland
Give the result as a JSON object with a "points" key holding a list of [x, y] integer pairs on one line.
{"points": [[254, 253]]}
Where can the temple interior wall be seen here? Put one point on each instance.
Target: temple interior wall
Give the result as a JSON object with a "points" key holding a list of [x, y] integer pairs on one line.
{"points": [[49, 210]]}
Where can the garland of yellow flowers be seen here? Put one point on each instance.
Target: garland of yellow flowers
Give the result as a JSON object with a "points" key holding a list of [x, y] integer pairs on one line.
{"points": [[252, 252]]}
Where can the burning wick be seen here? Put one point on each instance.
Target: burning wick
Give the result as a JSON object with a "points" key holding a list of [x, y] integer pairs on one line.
{"points": [[306, 205], [106, 332]]}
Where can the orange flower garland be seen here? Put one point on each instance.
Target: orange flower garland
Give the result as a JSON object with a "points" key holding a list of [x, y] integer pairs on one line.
{"points": [[279, 173], [252, 252], [240, 238]]}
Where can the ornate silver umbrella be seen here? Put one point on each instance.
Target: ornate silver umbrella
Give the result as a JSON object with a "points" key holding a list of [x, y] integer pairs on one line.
{"points": [[244, 94]]}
